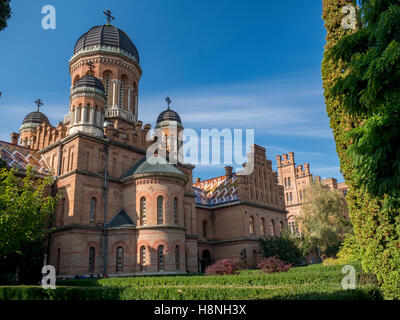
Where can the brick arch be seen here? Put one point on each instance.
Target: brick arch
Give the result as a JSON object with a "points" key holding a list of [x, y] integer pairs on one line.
{"points": [[161, 242], [117, 244], [95, 194], [92, 244], [177, 242]]}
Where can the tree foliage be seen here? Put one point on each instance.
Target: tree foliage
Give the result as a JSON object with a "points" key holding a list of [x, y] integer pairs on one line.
{"points": [[285, 247], [324, 220], [25, 209], [5, 13], [361, 74]]}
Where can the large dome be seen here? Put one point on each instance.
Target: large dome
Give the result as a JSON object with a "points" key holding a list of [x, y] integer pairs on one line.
{"points": [[106, 35]]}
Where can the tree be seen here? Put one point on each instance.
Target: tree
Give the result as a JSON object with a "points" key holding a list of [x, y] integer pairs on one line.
{"points": [[25, 209], [361, 74], [5, 13], [324, 220], [284, 246]]}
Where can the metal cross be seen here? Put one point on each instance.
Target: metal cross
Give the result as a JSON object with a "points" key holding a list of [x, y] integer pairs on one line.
{"points": [[91, 65], [108, 15], [38, 103], [168, 99]]}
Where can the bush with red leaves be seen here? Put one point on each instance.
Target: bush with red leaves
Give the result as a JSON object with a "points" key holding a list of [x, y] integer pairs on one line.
{"points": [[274, 264], [221, 267]]}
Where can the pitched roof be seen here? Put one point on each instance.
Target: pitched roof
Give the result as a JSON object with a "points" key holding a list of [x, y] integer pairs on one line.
{"points": [[120, 220], [144, 166], [216, 191], [20, 157]]}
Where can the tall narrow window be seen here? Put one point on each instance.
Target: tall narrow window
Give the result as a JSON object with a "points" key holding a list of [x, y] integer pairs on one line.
{"points": [[160, 260], [301, 195], [281, 226], [285, 182], [142, 258], [58, 260], [160, 215], [287, 197], [177, 258], [291, 197], [142, 211], [262, 226], [288, 181], [121, 93], [205, 230], [175, 210], [91, 259], [93, 205], [119, 260], [251, 225], [106, 85], [273, 227]]}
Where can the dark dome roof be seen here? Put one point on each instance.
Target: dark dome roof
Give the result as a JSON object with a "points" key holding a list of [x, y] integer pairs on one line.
{"points": [[35, 117], [169, 115], [89, 81], [106, 35]]}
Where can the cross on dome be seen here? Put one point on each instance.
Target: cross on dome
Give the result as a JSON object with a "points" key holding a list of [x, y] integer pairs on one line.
{"points": [[39, 103], [168, 99], [108, 15]]}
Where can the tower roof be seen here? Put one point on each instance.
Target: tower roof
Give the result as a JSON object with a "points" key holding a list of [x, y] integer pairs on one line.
{"points": [[106, 35], [144, 166], [169, 115], [35, 117], [89, 81]]}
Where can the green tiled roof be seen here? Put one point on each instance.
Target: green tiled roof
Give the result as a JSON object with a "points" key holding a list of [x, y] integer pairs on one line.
{"points": [[143, 166]]}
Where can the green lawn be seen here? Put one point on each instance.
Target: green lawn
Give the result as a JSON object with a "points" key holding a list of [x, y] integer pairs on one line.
{"points": [[311, 282]]}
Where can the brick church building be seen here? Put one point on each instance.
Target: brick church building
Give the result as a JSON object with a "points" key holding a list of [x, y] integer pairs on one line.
{"points": [[117, 213]]}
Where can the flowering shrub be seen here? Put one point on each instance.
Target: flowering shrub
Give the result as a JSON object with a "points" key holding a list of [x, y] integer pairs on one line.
{"points": [[221, 267], [273, 264]]}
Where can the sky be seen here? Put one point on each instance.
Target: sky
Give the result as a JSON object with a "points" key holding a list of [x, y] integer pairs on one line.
{"points": [[224, 63]]}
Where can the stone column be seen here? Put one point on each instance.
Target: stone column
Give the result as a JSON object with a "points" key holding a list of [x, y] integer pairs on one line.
{"points": [[77, 111], [84, 114], [114, 93], [129, 98], [92, 115]]}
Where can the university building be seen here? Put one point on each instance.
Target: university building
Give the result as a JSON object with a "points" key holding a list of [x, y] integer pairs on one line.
{"points": [[119, 214]]}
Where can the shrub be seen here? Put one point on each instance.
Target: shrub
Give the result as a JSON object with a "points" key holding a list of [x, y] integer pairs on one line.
{"points": [[349, 250], [221, 267], [274, 264], [285, 247]]}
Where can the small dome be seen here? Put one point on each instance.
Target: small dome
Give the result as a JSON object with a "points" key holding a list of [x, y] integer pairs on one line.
{"points": [[106, 35], [35, 117], [89, 81], [169, 115]]}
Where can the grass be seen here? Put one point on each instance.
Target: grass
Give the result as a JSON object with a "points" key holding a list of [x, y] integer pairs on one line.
{"points": [[315, 282]]}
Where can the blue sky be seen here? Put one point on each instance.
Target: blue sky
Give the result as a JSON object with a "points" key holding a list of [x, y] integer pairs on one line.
{"points": [[225, 64]]}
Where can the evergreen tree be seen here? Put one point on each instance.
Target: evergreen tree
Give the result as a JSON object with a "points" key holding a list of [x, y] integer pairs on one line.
{"points": [[361, 78], [5, 13]]}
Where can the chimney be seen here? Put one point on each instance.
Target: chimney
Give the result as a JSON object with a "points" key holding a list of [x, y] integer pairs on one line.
{"points": [[307, 168], [291, 157], [197, 180], [228, 171], [14, 137]]}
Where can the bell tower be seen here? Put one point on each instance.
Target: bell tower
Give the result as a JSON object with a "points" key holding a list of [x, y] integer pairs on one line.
{"points": [[108, 54]]}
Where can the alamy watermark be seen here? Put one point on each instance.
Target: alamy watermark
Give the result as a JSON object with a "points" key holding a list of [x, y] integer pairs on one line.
{"points": [[349, 280], [349, 21], [49, 20]]}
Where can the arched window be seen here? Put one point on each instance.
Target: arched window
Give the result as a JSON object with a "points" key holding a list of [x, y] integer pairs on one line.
{"points": [[160, 215], [281, 226], [251, 225], [262, 226], [287, 197], [93, 207], [273, 227], [177, 258], [160, 260], [142, 258], [142, 211], [205, 230], [285, 182], [91, 259], [294, 230], [175, 210], [119, 265], [288, 181]]}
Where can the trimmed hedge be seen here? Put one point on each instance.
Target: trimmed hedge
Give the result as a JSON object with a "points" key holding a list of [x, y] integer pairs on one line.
{"points": [[312, 282]]}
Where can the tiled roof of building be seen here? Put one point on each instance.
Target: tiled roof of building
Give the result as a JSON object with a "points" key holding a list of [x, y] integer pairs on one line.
{"points": [[20, 157], [120, 220], [216, 191], [143, 166]]}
